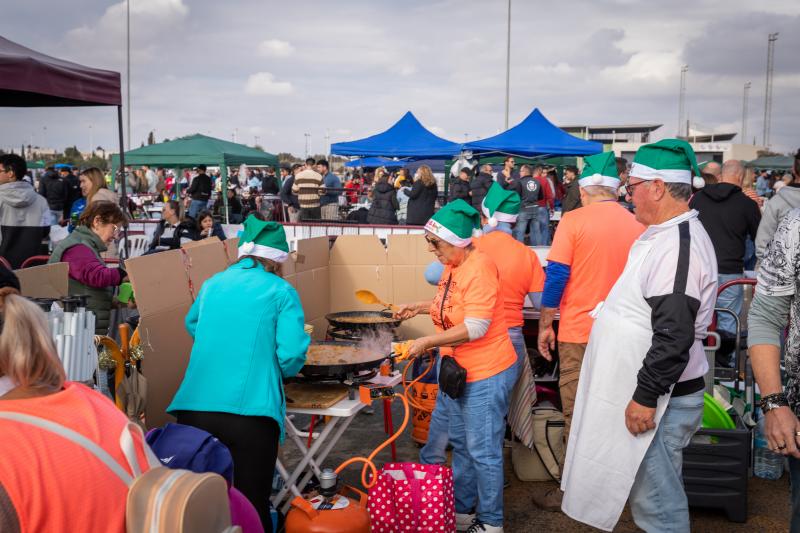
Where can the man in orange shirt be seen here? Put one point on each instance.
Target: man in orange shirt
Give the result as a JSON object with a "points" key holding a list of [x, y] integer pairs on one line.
{"points": [[589, 252]]}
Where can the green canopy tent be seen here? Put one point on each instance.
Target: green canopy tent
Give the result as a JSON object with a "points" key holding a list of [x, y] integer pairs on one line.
{"points": [[773, 162], [36, 165], [197, 150]]}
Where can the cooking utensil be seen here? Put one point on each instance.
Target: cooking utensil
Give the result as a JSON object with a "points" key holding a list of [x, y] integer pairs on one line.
{"points": [[338, 359], [369, 297], [363, 320]]}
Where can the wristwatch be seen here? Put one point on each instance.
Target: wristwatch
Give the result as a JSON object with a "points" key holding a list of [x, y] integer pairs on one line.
{"points": [[773, 401]]}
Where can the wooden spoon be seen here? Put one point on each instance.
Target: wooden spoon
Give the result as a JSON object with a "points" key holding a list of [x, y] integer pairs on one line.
{"points": [[368, 297]]}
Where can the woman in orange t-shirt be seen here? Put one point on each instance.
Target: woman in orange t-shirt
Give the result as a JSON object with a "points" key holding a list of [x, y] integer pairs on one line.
{"points": [[47, 481], [468, 313]]}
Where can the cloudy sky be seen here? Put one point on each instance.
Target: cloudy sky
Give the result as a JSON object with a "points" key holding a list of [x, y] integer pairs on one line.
{"points": [[277, 70]]}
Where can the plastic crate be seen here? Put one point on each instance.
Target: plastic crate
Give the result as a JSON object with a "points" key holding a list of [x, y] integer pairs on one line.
{"points": [[715, 470]]}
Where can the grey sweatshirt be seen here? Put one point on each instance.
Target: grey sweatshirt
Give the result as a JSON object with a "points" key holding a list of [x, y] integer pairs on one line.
{"points": [[786, 199]]}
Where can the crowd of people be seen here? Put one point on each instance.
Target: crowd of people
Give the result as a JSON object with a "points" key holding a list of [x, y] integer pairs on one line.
{"points": [[649, 277]]}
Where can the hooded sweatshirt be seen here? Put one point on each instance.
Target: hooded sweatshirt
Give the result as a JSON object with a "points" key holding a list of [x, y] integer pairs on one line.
{"points": [[784, 201], [729, 217], [24, 222]]}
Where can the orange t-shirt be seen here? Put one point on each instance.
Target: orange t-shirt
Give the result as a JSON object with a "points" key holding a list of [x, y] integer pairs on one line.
{"points": [[594, 241], [473, 290], [53, 483], [519, 268]]}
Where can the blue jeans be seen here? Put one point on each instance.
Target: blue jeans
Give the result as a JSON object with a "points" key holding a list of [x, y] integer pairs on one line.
{"points": [[732, 299], [658, 500], [196, 206], [794, 476], [477, 426], [544, 227], [527, 218], [435, 450]]}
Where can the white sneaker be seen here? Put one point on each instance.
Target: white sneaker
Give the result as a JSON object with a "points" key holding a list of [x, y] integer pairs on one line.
{"points": [[479, 527], [464, 521]]}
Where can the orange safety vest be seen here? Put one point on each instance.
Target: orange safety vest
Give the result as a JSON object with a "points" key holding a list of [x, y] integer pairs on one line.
{"points": [[55, 484]]}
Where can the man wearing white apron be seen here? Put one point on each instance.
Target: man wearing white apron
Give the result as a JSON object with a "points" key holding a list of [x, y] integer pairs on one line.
{"points": [[640, 394]]}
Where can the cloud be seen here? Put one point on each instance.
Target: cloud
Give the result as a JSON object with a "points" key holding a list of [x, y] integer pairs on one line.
{"points": [[275, 48], [264, 83]]}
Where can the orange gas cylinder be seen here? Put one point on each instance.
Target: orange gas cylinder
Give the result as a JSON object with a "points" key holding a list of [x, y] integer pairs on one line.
{"points": [[337, 514], [423, 394]]}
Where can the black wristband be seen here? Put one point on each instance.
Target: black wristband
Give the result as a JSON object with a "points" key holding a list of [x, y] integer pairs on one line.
{"points": [[772, 401]]}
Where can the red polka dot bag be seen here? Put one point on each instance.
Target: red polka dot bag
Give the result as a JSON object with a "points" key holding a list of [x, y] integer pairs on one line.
{"points": [[410, 497]]}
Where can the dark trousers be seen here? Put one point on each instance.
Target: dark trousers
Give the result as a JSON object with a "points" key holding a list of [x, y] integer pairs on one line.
{"points": [[253, 443], [314, 213]]}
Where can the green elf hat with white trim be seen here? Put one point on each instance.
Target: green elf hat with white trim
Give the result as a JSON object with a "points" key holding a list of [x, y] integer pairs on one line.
{"points": [[455, 223], [600, 169], [263, 239], [670, 160], [500, 205]]}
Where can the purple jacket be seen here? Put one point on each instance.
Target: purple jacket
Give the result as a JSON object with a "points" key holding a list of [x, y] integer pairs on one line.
{"points": [[85, 268]]}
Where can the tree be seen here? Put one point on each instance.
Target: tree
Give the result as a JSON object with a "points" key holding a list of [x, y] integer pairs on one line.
{"points": [[151, 138], [259, 148]]}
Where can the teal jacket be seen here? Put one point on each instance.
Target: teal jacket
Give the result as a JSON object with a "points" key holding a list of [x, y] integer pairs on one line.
{"points": [[247, 326]]}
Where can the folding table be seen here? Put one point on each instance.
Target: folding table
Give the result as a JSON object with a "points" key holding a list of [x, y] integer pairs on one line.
{"points": [[341, 415]]}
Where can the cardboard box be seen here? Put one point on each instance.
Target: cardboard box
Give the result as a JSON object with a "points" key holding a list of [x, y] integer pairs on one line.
{"points": [[44, 281], [325, 277]]}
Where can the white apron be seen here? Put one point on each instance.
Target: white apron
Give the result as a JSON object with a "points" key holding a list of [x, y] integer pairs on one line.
{"points": [[602, 456]]}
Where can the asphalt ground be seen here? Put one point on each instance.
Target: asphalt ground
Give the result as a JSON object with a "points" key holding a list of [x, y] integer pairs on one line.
{"points": [[768, 501]]}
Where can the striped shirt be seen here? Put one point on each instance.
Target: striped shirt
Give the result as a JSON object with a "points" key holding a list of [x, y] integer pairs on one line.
{"points": [[308, 188]]}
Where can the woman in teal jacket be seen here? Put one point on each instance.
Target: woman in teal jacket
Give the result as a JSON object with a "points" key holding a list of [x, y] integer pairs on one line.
{"points": [[233, 385]]}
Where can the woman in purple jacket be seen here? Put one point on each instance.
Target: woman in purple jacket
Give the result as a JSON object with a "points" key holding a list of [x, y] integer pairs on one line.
{"points": [[88, 273]]}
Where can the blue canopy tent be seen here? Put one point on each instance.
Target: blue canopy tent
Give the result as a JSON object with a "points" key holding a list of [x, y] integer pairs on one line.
{"points": [[534, 136], [375, 162], [406, 138]]}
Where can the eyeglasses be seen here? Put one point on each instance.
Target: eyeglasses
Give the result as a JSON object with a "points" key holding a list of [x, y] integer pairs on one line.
{"points": [[630, 187], [433, 242]]}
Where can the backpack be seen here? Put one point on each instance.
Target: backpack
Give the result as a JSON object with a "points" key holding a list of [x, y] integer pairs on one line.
{"points": [[181, 446], [543, 462], [160, 500]]}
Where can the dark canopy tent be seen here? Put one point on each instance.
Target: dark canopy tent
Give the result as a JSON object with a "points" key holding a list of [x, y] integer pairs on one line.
{"points": [[772, 162], [534, 136], [32, 79], [406, 138]]}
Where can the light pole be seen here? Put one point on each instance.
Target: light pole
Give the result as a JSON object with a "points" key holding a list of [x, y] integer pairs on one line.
{"points": [[328, 144], [256, 140], [91, 141], [745, 98], [307, 135], [768, 90], [128, 63], [508, 60], [682, 100]]}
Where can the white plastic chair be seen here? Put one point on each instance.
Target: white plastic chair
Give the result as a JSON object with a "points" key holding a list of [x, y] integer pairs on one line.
{"points": [[137, 245]]}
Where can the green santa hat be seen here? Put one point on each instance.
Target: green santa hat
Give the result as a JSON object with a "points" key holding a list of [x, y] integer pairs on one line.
{"points": [[670, 160], [263, 239], [455, 223], [600, 169], [500, 205]]}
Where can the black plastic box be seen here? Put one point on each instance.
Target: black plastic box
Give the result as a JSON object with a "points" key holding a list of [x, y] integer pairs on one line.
{"points": [[715, 470]]}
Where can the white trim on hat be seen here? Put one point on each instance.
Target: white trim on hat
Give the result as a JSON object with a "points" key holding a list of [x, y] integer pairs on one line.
{"points": [[498, 215], [446, 235], [259, 250], [644, 172], [599, 180]]}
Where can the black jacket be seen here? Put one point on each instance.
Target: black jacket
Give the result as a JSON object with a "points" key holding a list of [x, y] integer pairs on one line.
{"points": [[270, 184], [288, 198], [459, 189], [186, 229], [54, 190], [200, 189], [529, 190], [480, 186], [729, 217], [572, 199], [73, 186], [234, 206], [384, 205], [421, 203]]}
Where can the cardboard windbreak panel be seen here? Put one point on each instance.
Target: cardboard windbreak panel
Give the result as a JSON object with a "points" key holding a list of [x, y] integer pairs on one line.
{"points": [[308, 272], [165, 285], [394, 273], [44, 281]]}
